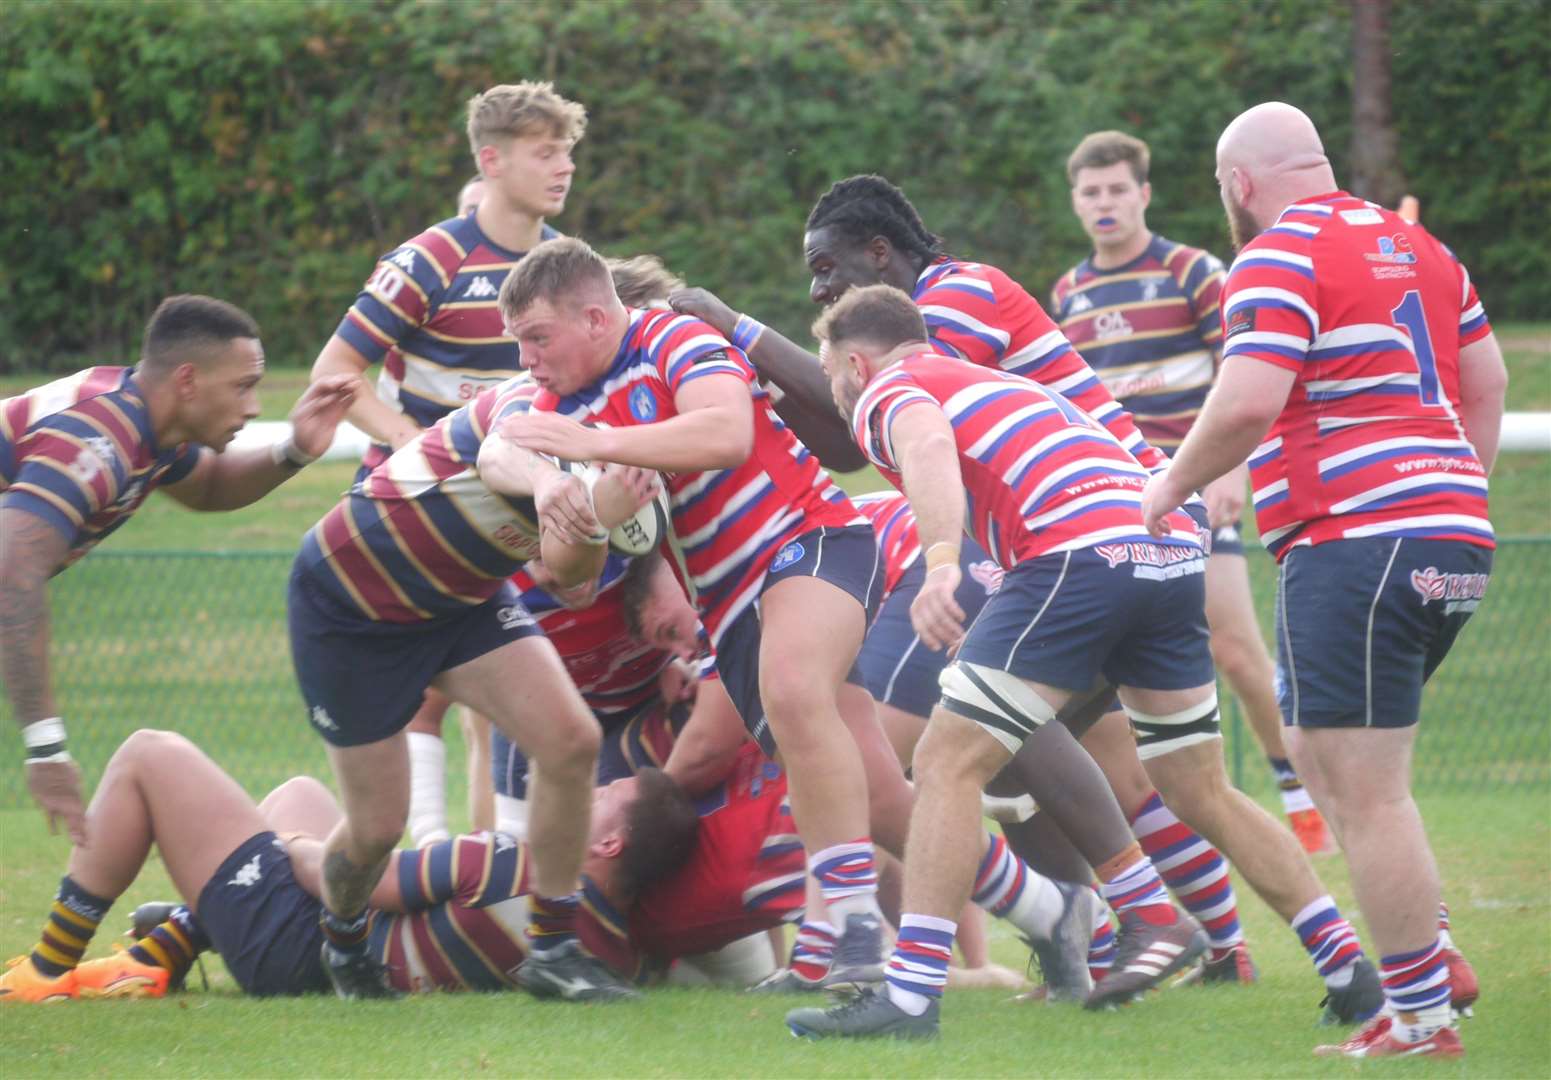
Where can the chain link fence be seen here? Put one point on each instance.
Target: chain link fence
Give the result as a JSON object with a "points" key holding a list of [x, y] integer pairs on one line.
{"points": [[196, 643]]}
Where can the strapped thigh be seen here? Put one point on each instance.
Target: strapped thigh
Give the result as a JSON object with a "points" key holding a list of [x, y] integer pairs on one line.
{"points": [[1159, 735], [1005, 706]]}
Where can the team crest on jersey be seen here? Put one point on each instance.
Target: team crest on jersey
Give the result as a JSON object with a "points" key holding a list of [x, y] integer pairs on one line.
{"points": [[987, 574], [1458, 592], [1241, 320], [643, 406], [1113, 324], [786, 557], [1150, 291]]}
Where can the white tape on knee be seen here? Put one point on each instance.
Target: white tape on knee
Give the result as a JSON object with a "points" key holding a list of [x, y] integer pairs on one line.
{"points": [[1011, 810], [1005, 706], [1195, 724], [511, 817]]}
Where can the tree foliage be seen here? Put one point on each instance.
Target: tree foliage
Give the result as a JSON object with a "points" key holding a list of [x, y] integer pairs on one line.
{"points": [[267, 152]]}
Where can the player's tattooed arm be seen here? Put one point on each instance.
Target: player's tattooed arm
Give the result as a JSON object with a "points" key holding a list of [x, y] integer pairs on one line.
{"points": [[31, 550]]}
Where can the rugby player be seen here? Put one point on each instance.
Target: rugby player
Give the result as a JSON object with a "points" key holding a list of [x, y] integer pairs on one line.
{"points": [[1143, 311], [1057, 500], [404, 585], [865, 231], [79, 456], [427, 315], [1365, 388], [783, 570]]}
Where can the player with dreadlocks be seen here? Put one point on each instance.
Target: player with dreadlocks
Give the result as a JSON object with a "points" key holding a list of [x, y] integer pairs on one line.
{"points": [[864, 231]]}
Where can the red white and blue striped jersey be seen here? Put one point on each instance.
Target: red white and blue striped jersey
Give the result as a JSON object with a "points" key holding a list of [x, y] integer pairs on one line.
{"points": [[421, 535], [1151, 329], [80, 453], [746, 873], [1040, 475], [616, 673], [727, 523], [429, 313], [1369, 312], [894, 525], [978, 313]]}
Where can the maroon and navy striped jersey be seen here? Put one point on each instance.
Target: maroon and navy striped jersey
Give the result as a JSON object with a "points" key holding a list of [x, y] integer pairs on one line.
{"points": [[978, 313], [894, 525], [1152, 331], [1369, 312], [421, 535], [1040, 475], [80, 453], [429, 313], [727, 523]]}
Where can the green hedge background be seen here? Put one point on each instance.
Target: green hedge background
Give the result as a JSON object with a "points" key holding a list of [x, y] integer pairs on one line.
{"points": [[267, 152]]}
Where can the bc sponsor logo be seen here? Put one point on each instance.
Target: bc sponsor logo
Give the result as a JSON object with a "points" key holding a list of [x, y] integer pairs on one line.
{"points": [[787, 556], [643, 406], [513, 617], [1457, 592], [1393, 249]]}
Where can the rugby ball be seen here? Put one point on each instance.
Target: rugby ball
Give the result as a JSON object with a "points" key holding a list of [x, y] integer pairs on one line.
{"points": [[639, 533]]}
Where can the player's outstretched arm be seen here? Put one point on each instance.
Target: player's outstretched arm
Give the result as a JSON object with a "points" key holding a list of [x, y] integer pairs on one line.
{"points": [[30, 551], [367, 411], [230, 480], [806, 403], [1483, 390]]}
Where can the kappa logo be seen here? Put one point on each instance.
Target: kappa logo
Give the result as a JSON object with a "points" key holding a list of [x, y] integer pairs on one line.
{"points": [[404, 259], [643, 406], [786, 556], [480, 288], [131, 495], [249, 875], [322, 720], [1458, 592], [503, 842], [513, 617], [1079, 304], [988, 575]]}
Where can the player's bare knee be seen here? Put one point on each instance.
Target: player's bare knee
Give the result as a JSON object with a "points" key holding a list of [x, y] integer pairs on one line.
{"points": [[570, 748]]}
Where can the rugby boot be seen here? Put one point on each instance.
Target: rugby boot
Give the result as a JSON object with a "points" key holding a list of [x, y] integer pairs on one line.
{"points": [[1464, 988], [870, 1015], [1377, 1039], [1063, 959], [23, 983], [356, 976], [1359, 1000], [1146, 955], [1233, 966], [121, 976], [570, 973], [859, 956], [1312, 832], [785, 981]]}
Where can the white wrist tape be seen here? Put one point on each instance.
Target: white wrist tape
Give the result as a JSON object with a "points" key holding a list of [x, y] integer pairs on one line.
{"points": [[45, 741], [287, 453]]}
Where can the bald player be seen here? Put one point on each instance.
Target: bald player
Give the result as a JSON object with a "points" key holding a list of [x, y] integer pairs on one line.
{"points": [[1363, 384]]}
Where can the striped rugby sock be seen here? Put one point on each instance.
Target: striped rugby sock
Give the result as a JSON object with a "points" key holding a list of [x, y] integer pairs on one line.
{"points": [[848, 879], [918, 969], [1443, 926], [551, 920], [1010, 889], [174, 944], [1102, 947], [72, 922], [1294, 796], [813, 951], [1416, 985], [344, 935], [1193, 870], [1329, 940], [1130, 884]]}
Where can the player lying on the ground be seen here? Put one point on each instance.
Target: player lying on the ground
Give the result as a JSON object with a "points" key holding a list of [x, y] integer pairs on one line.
{"points": [[79, 455]]}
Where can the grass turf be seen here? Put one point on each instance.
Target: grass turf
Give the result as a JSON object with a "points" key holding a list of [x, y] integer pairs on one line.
{"points": [[1493, 851]]}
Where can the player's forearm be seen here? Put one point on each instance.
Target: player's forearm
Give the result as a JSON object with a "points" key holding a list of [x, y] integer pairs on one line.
{"points": [[380, 421], [807, 404], [236, 478], [24, 618], [935, 487], [508, 469], [713, 437], [1483, 396], [571, 564]]}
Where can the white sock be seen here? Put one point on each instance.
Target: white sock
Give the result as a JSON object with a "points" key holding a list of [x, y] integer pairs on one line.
{"points": [[1295, 800], [908, 1001], [1035, 912], [860, 904], [1424, 1024], [427, 789]]}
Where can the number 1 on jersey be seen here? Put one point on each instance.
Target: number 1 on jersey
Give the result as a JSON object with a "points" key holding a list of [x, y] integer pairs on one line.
{"points": [[1409, 316]]}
